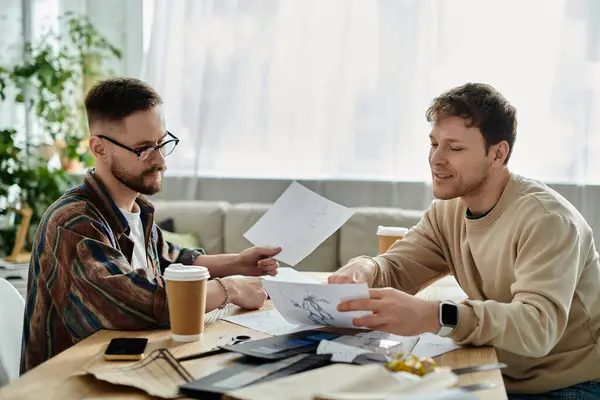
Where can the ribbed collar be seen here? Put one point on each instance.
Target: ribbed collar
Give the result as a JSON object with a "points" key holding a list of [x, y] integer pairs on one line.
{"points": [[507, 197]]}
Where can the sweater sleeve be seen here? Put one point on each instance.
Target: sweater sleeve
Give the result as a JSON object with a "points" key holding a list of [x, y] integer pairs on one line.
{"points": [[548, 263], [413, 263]]}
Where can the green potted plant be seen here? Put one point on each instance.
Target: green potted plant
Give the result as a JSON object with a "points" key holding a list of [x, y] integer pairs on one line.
{"points": [[24, 181], [50, 83]]}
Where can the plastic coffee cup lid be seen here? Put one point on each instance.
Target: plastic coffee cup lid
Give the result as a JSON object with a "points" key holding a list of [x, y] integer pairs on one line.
{"points": [[391, 231], [180, 272]]}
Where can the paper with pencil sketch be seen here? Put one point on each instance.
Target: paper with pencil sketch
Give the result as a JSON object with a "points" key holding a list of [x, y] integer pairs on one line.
{"points": [[380, 342], [430, 345], [316, 303], [270, 322], [346, 348], [340, 352], [298, 222]]}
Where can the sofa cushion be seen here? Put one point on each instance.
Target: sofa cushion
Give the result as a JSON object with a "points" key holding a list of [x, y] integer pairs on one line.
{"points": [[166, 224], [203, 218], [240, 217], [185, 240], [358, 236]]}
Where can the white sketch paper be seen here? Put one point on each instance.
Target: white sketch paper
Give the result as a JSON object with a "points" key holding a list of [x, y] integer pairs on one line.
{"points": [[270, 322], [340, 352], [345, 348], [315, 303], [430, 345], [380, 342], [287, 274], [299, 221]]}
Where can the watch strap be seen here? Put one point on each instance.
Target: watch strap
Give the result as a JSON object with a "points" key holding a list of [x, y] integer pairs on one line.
{"points": [[446, 329]]}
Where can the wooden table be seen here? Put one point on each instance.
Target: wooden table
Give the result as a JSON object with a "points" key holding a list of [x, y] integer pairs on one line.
{"points": [[62, 377]]}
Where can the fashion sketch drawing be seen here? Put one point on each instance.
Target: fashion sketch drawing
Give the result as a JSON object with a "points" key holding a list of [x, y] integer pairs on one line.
{"points": [[316, 312]]}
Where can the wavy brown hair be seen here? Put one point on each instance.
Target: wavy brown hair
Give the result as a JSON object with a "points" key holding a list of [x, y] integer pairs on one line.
{"points": [[481, 106]]}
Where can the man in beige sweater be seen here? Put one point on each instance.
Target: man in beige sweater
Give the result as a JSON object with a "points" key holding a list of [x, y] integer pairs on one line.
{"points": [[523, 254]]}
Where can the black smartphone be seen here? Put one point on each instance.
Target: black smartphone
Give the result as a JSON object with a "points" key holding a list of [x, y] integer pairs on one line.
{"points": [[126, 349]]}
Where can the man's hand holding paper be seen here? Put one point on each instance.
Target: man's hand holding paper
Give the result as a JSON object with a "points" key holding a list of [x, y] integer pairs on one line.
{"points": [[395, 312], [257, 261], [357, 270], [298, 222]]}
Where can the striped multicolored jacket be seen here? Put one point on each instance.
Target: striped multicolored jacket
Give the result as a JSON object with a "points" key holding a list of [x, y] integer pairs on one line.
{"points": [[80, 276]]}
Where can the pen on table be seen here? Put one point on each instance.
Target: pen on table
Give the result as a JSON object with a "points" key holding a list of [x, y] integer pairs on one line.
{"points": [[215, 351], [202, 355]]}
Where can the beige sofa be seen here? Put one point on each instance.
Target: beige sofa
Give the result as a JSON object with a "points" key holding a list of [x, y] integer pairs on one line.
{"points": [[221, 225]]}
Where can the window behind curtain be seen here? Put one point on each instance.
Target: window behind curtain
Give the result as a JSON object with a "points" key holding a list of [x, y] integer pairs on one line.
{"points": [[338, 89]]}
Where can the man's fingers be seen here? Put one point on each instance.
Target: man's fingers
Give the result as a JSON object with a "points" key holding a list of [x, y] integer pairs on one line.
{"points": [[337, 279], [269, 251], [369, 321], [358, 305], [378, 293], [269, 267], [265, 262]]}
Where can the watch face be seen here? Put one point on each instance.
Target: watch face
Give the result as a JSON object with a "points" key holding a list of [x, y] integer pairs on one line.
{"points": [[449, 314]]}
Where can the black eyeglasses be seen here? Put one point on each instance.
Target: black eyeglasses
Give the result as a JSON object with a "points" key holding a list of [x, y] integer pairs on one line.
{"points": [[143, 154]]}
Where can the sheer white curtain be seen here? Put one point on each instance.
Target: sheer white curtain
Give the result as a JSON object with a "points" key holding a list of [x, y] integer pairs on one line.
{"points": [[41, 18], [338, 88], [11, 52]]}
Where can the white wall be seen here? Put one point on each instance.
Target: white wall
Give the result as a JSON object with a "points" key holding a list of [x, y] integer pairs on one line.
{"points": [[11, 30], [121, 22], [11, 42]]}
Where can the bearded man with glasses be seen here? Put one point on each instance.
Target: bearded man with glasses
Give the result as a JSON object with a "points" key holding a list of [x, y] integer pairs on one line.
{"points": [[98, 258]]}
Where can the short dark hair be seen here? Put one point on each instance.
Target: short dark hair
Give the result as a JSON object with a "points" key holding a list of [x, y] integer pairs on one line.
{"points": [[113, 99], [482, 107]]}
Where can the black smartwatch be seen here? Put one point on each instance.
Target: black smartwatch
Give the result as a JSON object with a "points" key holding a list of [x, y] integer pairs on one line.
{"points": [[448, 317]]}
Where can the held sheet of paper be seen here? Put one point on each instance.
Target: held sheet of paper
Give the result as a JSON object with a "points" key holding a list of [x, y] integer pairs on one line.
{"points": [[299, 221], [316, 303], [301, 303], [269, 322], [288, 274]]}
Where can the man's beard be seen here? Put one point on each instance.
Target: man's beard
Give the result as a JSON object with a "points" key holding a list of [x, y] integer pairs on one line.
{"points": [[136, 182], [466, 188]]}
